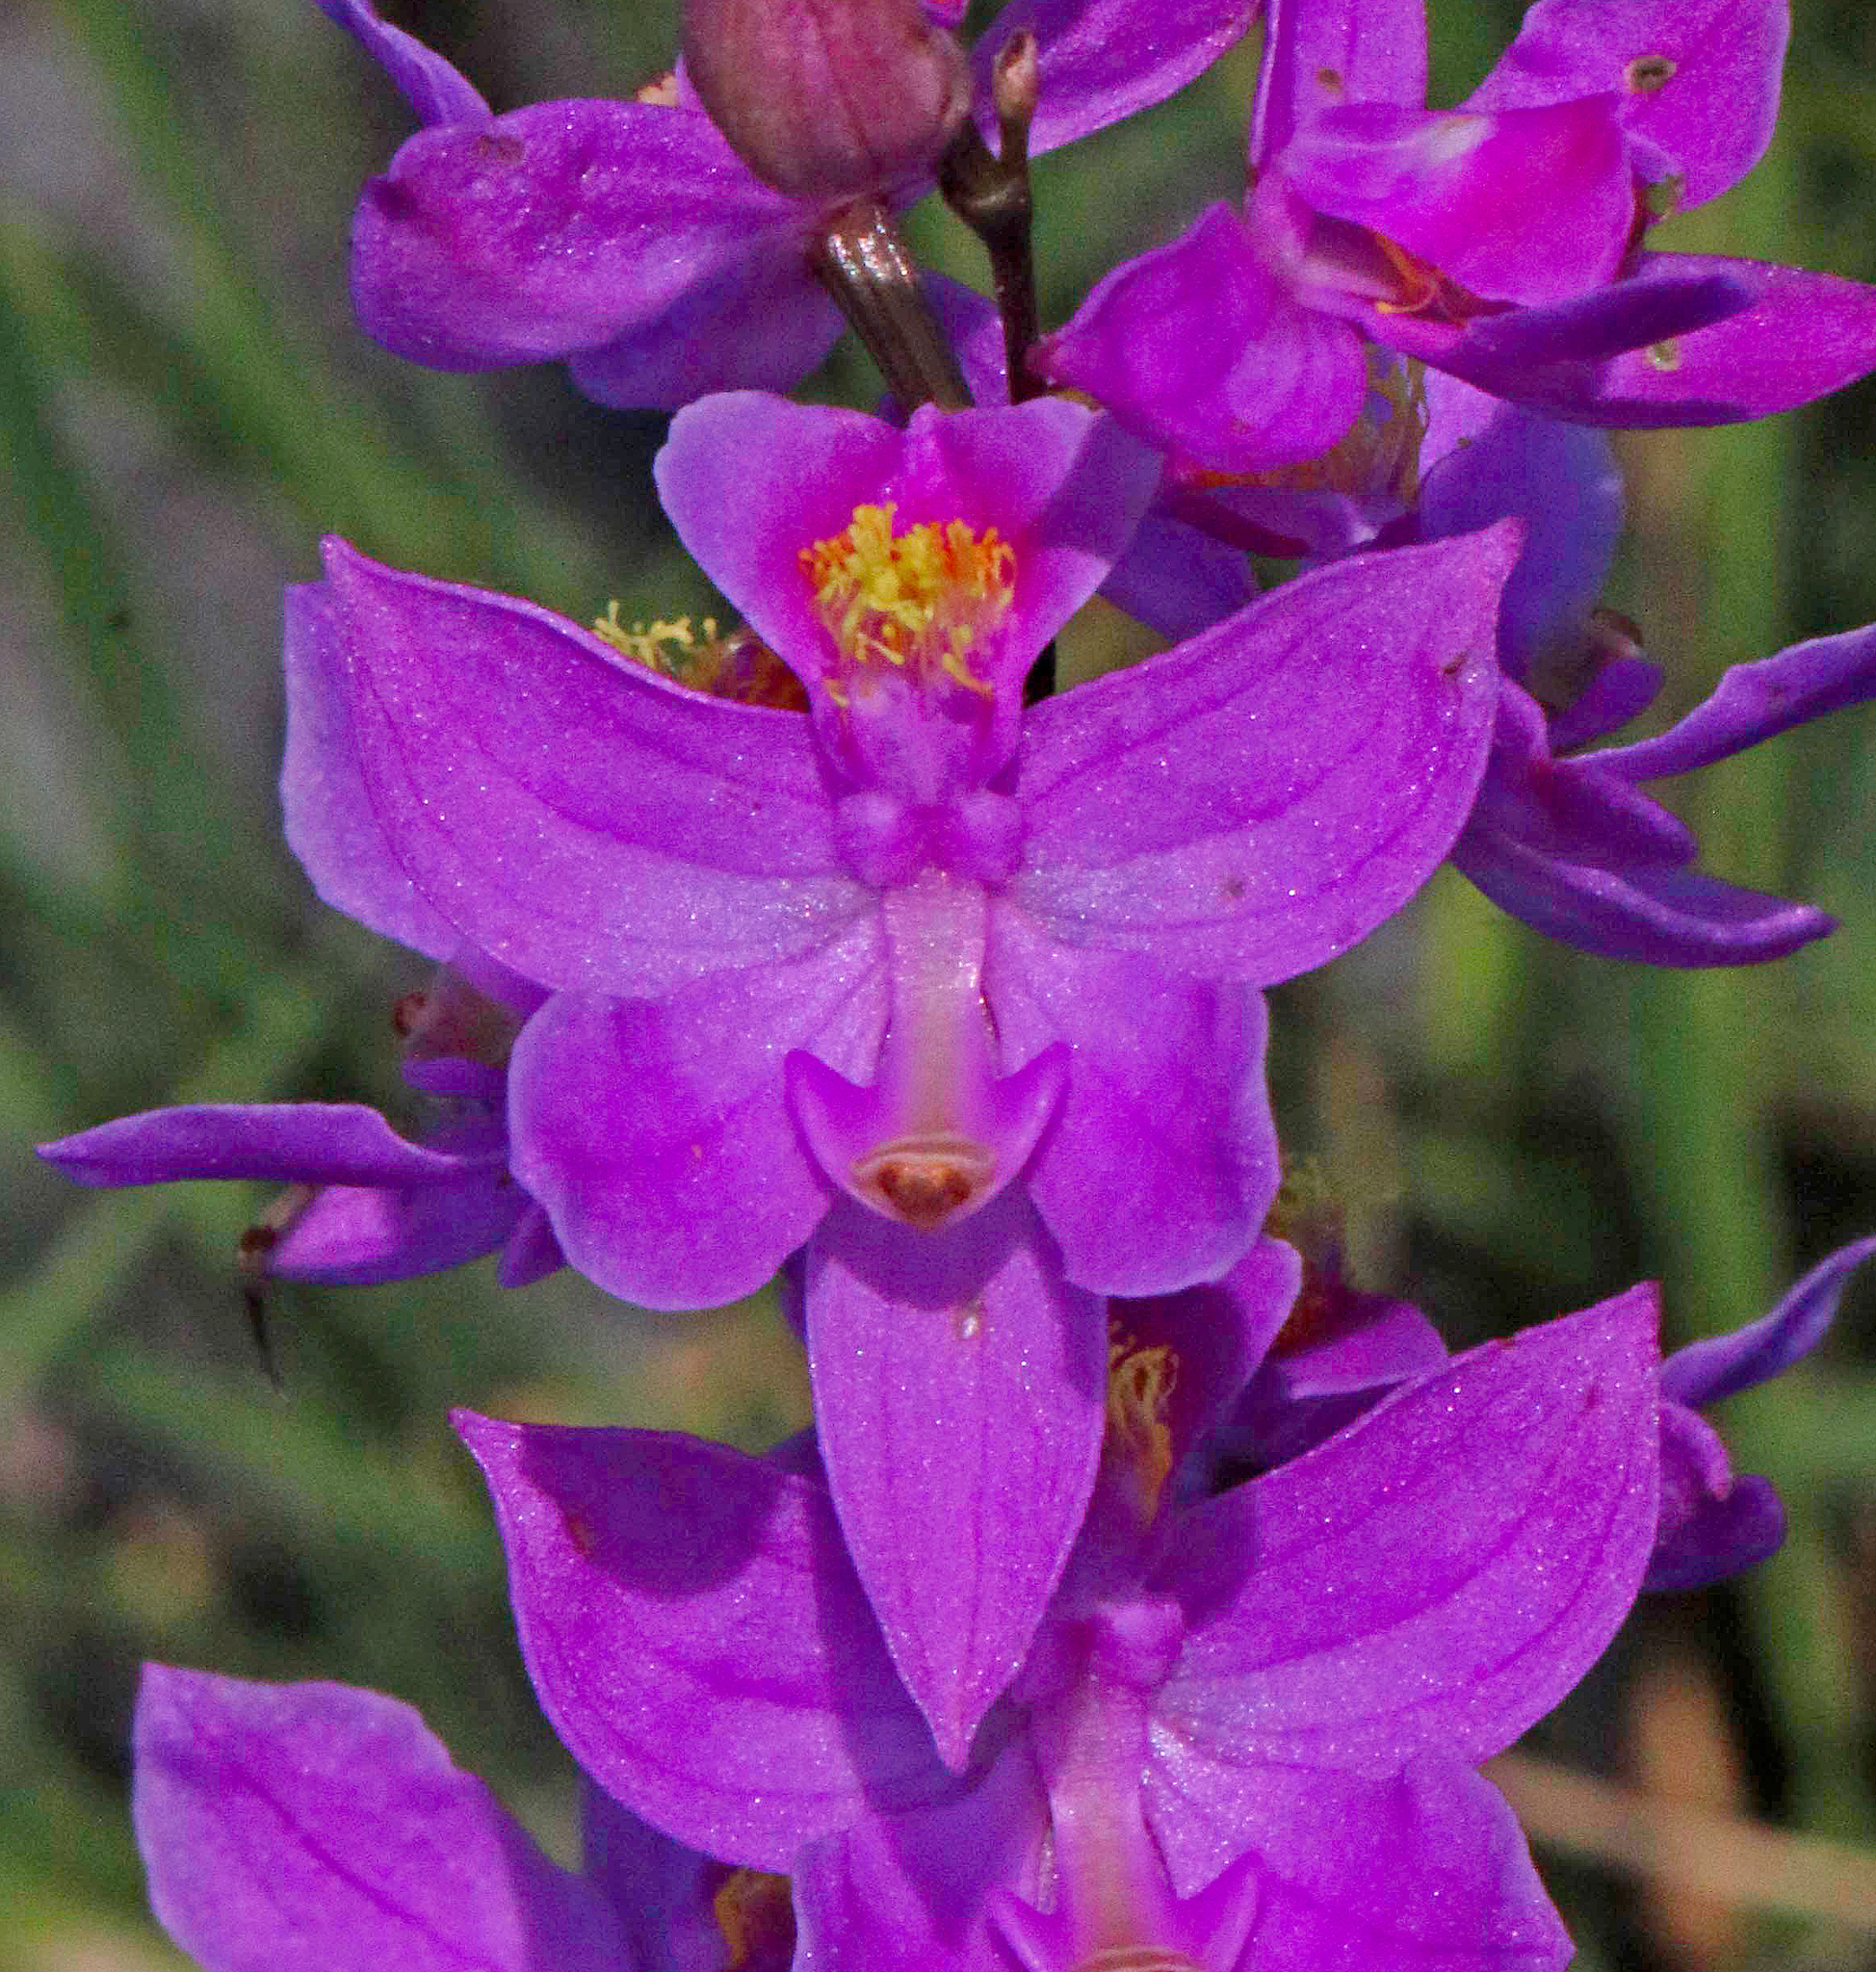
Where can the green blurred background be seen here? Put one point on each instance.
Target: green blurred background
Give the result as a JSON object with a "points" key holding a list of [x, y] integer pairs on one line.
{"points": [[1517, 1130]]}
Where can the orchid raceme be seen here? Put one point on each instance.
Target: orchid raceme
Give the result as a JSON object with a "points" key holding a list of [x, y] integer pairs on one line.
{"points": [[1500, 241], [631, 239], [1243, 1734], [1144, 1596]]}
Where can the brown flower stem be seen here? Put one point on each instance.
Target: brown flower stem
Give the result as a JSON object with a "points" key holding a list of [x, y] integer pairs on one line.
{"points": [[990, 193], [867, 267]]}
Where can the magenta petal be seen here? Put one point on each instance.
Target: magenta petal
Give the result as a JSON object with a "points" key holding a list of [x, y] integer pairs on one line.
{"points": [[657, 1134], [697, 1637], [761, 324], [1527, 205], [1752, 702], [1553, 358], [556, 228], [1570, 807], [1320, 54], [960, 1386], [330, 825], [1102, 59], [1372, 1344], [1161, 1161], [1651, 912], [1699, 78], [1179, 581], [1438, 1576], [356, 1237], [1712, 1523], [1583, 855], [436, 91], [531, 1251], [1805, 336], [1218, 1333], [314, 1143], [750, 481], [1428, 1869], [907, 1893], [583, 820], [1202, 349], [1561, 480], [313, 1828], [1254, 801], [1722, 1365]]}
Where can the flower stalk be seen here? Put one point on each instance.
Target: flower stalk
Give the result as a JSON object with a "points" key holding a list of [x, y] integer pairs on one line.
{"points": [[862, 260]]}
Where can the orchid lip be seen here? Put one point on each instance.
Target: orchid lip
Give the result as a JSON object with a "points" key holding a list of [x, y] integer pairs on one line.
{"points": [[928, 1180]]}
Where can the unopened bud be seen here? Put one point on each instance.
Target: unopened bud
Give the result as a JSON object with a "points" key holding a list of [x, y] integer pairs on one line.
{"points": [[1016, 86], [826, 98]]}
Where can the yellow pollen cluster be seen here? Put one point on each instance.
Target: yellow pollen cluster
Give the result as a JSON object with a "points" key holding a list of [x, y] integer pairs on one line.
{"points": [[1139, 1387], [660, 645], [920, 600], [738, 665]]}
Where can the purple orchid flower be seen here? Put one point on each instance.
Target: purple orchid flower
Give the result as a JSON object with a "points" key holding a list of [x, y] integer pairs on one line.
{"points": [[1500, 242], [1344, 1350], [960, 997], [317, 1827], [363, 1205], [1245, 1732], [1572, 846], [629, 239], [1566, 841]]}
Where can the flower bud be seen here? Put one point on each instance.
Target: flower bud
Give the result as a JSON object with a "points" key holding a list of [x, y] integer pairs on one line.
{"points": [[826, 98]]}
